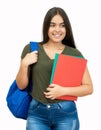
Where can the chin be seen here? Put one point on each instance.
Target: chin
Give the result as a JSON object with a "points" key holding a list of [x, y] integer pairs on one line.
{"points": [[57, 41]]}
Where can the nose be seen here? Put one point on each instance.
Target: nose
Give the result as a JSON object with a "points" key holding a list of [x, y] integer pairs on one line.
{"points": [[57, 28]]}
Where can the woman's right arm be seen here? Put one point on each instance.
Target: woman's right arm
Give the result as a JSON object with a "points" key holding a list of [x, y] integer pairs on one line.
{"points": [[22, 77]]}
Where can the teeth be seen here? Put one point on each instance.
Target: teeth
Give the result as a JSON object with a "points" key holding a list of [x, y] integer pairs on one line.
{"points": [[57, 35]]}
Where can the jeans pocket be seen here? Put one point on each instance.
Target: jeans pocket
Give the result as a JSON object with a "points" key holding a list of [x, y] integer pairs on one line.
{"points": [[33, 105], [67, 107]]}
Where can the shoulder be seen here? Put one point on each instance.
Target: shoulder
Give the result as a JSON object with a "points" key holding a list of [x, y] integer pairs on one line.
{"points": [[27, 47], [25, 50], [73, 51]]}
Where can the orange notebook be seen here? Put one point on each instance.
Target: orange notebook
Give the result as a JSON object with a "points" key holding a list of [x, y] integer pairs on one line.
{"points": [[67, 71]]}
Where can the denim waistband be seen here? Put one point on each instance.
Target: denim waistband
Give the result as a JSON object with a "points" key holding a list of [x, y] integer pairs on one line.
{"points": [[54, 105]]}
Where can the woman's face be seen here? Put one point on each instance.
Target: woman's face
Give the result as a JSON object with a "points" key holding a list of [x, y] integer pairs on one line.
{"points": [[57, 30]]}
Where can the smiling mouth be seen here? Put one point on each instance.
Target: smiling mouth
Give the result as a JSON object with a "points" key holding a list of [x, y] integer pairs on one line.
{"points": [[57, 35]]}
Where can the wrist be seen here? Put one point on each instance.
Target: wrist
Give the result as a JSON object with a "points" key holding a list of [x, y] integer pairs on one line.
{"points": [[24, 64]]}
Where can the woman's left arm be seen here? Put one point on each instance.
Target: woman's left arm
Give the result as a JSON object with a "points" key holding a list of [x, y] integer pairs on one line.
{"points": [[86, 88]]}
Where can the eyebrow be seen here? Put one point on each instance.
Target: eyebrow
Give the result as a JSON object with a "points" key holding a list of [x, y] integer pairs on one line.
{"points": [[54, 23]]}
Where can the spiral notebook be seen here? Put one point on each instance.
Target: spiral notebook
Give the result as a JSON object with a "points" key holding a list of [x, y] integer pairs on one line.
{"points": [[67, 71]]}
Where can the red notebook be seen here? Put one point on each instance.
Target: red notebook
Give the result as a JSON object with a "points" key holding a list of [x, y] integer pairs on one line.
{"points": [[68, 71]]}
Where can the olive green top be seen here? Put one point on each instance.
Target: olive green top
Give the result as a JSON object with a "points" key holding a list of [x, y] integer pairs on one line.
{"points": [[41, 71]]}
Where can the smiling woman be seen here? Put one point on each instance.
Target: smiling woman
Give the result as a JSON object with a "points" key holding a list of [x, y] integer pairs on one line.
{"points": [[45, 111], [57, 30]]}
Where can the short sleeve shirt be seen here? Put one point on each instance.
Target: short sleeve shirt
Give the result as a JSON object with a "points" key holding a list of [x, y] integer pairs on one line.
{"points": [[41, 71]]}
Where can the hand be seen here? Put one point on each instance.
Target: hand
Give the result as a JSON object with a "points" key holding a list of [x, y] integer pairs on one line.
{"points": [[30, 58], [54, 91]]}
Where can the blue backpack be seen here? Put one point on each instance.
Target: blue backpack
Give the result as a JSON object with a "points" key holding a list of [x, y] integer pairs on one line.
{"points": [[18, 100]]}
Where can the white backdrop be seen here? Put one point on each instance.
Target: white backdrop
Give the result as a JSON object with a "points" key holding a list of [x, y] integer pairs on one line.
{"points": [[21, 22]]}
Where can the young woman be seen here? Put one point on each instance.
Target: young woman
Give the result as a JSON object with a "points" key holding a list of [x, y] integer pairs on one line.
{"points": [[45, 111]]}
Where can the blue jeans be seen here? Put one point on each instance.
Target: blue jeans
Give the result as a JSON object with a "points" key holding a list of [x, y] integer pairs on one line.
{"points": [[56, 116]]}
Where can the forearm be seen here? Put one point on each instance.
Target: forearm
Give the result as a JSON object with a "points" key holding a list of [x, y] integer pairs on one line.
{"points": [[22, 76], [78, 91]]}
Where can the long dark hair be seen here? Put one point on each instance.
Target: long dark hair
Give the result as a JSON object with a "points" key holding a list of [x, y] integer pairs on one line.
{"points": [[68, 40]]}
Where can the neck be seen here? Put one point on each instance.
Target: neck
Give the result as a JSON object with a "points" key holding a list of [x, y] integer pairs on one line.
{"points": [[58, 46]]}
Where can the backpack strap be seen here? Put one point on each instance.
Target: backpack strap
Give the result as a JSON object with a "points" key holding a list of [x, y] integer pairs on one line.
{"points": [[33, 46]]}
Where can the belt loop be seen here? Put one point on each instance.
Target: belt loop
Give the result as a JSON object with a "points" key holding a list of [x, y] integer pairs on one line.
{"points": [[60, 105]]}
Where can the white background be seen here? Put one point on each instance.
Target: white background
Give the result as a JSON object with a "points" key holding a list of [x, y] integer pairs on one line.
{"points": [[21, 22]]}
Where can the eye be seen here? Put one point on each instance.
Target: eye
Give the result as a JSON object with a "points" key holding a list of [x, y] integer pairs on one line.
{"points": [[52, 25], [62, 25]]}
